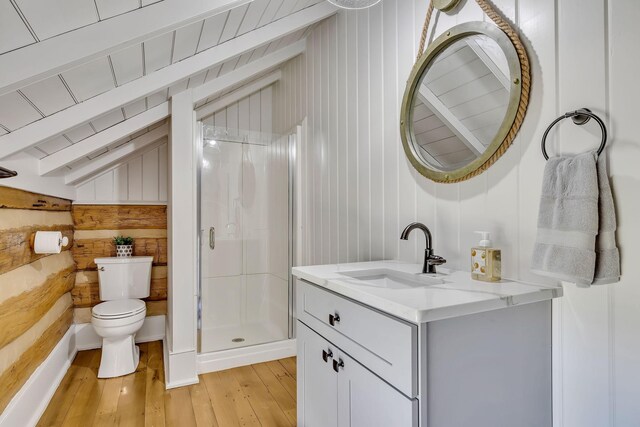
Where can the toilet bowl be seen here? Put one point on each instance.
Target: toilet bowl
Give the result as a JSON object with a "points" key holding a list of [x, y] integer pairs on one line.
{"points": [[123, 282], [117, 323]]}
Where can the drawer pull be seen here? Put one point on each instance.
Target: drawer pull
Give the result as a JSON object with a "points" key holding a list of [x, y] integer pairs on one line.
{"points": [[337, 364], [326, 355], [333, 318]]}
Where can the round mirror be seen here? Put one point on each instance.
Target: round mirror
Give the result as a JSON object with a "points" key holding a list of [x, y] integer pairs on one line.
{"points": [[461, 101]]}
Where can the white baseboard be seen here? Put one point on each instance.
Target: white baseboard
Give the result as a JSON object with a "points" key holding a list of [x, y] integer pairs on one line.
{"points": [[153, 329], [178, 368], [28, 405], [227, 359]]}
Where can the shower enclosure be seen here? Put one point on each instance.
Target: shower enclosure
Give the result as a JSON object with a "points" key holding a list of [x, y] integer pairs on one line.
{"points": [[245, 293]]}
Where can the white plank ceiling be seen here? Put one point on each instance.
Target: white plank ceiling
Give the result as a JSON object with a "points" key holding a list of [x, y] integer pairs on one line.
{"points": [[114, 117], [22, 23]]}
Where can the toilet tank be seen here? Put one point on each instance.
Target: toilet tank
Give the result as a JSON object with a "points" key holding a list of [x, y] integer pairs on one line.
{"points": [[124, 277]]}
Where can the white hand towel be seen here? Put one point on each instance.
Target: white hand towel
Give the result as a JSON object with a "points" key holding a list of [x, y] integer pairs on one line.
{"points": [[577, 222]]}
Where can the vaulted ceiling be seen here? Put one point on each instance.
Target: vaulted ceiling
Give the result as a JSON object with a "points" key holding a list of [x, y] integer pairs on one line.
{"points": [[24, 22], [111, 91]]}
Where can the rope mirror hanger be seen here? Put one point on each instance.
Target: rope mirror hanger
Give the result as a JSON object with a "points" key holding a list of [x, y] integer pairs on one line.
{"points": [[510, 32]]}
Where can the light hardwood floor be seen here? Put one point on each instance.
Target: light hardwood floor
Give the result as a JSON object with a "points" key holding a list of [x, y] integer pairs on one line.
{"points": [[262, 394]]}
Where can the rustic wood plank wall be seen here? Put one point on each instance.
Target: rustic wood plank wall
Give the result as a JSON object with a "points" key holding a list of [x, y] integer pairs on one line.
{"points": [[95, 227], [36, 308]]}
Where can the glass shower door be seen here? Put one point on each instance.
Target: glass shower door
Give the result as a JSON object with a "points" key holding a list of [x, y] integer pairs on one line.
{"points": [[244, 218]]}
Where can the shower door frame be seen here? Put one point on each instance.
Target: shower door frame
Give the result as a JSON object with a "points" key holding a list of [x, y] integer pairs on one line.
{"points": [[291, 169]]}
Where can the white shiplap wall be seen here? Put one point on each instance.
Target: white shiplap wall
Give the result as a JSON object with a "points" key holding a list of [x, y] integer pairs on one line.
{"points": [[359, 190], [252, 113], [142, 179]]}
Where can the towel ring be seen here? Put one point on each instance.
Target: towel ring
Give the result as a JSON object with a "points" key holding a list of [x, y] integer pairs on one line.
{"points": [[579, 117]]}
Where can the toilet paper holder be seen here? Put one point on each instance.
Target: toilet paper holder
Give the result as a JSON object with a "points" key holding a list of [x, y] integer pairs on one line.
{"points": [[62, 241]]}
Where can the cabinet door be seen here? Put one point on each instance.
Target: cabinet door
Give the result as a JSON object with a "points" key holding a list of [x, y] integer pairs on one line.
{"points": [[364, 400], [317, 381]]}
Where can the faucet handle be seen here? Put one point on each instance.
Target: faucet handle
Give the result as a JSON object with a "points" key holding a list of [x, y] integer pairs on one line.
{"points": [[436, 260]]}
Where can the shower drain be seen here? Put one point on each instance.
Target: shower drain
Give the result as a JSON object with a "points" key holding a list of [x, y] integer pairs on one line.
{"points": [[237, 340]]}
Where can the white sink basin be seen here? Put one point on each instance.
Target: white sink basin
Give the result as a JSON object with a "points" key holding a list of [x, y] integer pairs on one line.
{"points": [[390, 279]]}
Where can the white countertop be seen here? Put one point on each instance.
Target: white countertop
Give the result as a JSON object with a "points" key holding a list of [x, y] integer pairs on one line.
{"points": [[459, 295]]}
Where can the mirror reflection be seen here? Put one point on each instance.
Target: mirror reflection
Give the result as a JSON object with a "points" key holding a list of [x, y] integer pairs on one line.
{"points": [[460, 102]]}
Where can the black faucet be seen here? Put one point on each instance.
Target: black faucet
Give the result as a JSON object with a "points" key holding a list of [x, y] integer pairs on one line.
{"points": [[430, 260]]}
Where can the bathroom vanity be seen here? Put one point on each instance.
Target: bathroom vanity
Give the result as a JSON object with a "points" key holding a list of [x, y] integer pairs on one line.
{"points": [[380, 344]]}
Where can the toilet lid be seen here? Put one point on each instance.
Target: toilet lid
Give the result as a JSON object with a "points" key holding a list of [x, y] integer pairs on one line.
{"points": [[118, 308]]}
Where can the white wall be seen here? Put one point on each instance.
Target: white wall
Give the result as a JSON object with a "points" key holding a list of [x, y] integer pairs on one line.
{"points": [[140, 179], [143, 178], [360, 191], [29, 178], [253, 113]]}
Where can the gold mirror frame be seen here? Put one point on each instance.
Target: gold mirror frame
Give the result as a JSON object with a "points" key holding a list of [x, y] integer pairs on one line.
{"points": [[518, 100]]}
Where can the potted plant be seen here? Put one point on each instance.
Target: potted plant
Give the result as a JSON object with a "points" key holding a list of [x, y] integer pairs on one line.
{"points": [[124, 246]]}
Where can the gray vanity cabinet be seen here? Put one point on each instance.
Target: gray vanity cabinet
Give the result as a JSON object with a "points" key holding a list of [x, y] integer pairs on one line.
{"points": [[335, 390], [360, 366]]}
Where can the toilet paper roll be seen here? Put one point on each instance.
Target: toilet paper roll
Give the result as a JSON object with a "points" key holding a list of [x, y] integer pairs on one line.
{"points": [[49, 242]]}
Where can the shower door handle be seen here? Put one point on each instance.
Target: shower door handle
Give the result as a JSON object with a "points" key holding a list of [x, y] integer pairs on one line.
{"points": [[212, 238]]}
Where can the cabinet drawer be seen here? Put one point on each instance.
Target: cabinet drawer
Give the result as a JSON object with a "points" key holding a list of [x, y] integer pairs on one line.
{"points": [[384, 344]]}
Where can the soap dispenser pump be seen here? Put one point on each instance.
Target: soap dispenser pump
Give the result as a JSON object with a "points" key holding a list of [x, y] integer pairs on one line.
{"points": [[485, 260]]}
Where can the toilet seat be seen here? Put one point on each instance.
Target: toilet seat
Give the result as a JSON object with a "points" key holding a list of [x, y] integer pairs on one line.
{"points": [[118, 309]]}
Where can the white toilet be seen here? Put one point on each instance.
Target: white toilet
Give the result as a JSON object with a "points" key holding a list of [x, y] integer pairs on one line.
{"points": [[122, 281]]}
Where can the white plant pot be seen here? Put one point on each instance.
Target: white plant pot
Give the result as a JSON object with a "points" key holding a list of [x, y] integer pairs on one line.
{"points": [[124, 250]]}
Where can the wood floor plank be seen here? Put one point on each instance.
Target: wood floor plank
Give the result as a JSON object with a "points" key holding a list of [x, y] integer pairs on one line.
{"points": [[233, 389], [202, 407], [262, 402], [222, 402], [154, 394], [287, 381], [257, 395], [290, 365], [277, 390], [229, 402], [131, 403], [64, 396], [144, 357], [178, 408], [85, 405], [107, 413]]}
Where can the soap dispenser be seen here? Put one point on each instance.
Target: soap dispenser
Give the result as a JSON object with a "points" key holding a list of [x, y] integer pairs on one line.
{"points": [[485, 260]]}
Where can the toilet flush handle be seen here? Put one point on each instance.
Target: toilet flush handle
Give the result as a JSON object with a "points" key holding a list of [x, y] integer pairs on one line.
{"points": [[101, 269]]}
